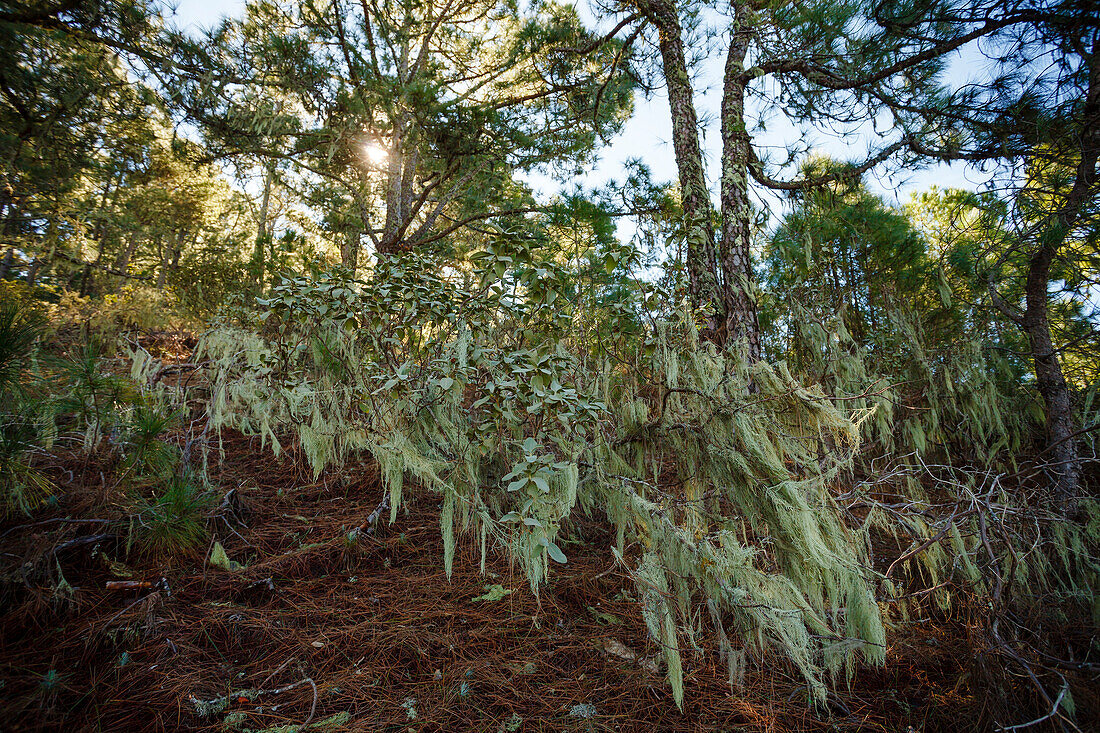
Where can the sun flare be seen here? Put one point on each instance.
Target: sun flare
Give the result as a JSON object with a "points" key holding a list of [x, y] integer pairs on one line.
{"points": [[375, 153]]}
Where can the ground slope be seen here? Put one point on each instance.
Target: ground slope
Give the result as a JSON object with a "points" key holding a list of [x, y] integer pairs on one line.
{"points": [[368, 634]]}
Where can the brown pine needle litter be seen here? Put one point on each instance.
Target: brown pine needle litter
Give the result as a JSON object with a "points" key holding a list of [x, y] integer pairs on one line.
{"points": [[325, 627]]}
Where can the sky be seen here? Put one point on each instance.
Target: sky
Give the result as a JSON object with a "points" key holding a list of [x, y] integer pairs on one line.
{"points": [[648, 134]]}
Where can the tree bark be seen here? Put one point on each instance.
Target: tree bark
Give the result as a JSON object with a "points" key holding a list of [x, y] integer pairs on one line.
{"points": [[395, 224], [1051, 382], [702, 262], [6, 263], [739, 298], [122, 262], [86, 280], [169, 260], [349, 250], [262, 234], [174, 264]]}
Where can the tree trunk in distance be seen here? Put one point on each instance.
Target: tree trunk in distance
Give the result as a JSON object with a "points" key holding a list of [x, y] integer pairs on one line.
{"points": [[739, 299], [702, 262], [262, 234], [349, 250]]}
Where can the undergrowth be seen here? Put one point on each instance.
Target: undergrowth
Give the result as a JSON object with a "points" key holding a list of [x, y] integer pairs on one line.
{"points": [[56, 395], [750, 502], [719, 476]]}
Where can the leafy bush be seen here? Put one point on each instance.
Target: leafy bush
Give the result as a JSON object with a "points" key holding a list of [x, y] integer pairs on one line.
{"points": [[719, 470]]}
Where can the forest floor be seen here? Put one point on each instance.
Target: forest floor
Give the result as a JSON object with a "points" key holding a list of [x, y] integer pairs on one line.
{"points": [[371, 635], [305, 629]]}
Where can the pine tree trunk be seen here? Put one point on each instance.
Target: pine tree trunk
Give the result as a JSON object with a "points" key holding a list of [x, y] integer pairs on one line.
{"points": [[1051, 382], [1062, 424], [174, 265], [395, 224], [349, 251], [122, 263], [169, 260], [262, 235], [698, 212], [86, 280], [739, 305], [6, 263]]}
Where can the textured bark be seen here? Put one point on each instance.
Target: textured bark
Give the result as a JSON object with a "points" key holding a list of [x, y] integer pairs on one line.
{"points": [[174, 264], [85, 280], [349, 250], [6, 263], [390, 241], [1061, 422], [396, 181], [169, 259], [262, 233], [401, 200], [122, 262], [739, 305], [698, 212]]}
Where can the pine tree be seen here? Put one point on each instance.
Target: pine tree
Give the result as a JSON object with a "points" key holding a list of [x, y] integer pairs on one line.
{"points": [[822, 64], [406, 121]]}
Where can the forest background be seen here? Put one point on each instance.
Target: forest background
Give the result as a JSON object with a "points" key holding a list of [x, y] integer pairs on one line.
{"points": [[676, 269]]}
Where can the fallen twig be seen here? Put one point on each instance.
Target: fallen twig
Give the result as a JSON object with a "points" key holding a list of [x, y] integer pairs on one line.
{"points": [[128, 584]]}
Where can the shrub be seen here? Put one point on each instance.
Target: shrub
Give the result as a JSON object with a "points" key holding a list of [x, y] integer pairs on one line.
{"points": [[134, 308], [21, 328], [173, 521], [718, 469]]}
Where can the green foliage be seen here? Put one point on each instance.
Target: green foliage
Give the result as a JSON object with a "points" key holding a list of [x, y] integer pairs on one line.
{"points": [[881, 312], [20, 331], [98, 193], [174, 520], [975, 235], [129, 309], [109, 414], [431, 113], [719, 468], [170, 499], [146, 451], [890, 311], [96, 401], [23, 487]]}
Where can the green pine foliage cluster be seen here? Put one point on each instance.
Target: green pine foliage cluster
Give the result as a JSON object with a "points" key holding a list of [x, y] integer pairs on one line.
{"points": [[24, 488], [890, 314], [53, 398]]}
